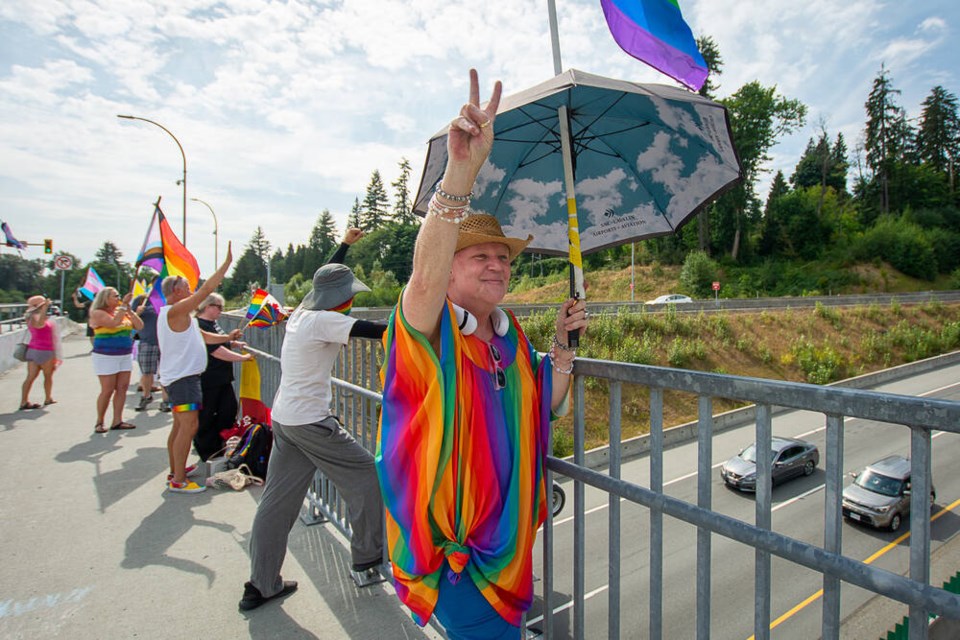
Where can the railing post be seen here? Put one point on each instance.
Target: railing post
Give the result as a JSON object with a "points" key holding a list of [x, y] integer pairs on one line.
{"points": [[919, 523], [656, 515], [764, 520], [704, 501], [832, 523], [613, 522], [579, 538]]}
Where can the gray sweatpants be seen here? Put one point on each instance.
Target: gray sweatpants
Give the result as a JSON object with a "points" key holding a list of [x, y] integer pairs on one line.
{"points": [[297, 453]]}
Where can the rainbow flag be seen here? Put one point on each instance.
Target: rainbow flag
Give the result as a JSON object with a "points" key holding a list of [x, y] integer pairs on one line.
{"points": [[654, 32], [9, 240], [264, 310], [92, 284], [164, 253]]}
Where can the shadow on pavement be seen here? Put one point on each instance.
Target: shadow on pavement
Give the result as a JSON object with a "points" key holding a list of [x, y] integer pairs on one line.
{"points": [[159, 531]]}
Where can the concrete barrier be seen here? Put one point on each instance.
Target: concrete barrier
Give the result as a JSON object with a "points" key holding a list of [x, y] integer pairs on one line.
{"points": [[9, 340]]}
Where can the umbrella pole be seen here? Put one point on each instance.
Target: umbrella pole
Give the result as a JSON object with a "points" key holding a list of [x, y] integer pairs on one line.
{"points": [[573, 228]]}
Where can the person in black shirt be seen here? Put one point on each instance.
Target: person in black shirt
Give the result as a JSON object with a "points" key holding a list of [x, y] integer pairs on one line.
{"points": [[219, 409]]}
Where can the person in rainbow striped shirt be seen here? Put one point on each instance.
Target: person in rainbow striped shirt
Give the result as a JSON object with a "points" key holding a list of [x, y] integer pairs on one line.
{"points": [[113, 323], [467, 404]]}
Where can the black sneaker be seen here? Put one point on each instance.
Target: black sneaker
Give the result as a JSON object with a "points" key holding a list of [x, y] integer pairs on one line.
{"points": [[144, 403], [165, 406], [252, 598]]}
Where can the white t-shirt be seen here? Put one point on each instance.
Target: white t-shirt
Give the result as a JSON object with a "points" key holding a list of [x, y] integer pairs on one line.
{"points": [[182, 353], [310, 348]]}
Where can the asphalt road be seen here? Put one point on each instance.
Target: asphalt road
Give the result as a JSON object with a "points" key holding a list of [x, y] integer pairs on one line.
{"points": [[798, 511]]}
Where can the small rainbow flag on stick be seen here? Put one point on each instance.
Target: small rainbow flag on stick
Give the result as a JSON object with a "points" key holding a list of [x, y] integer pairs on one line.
{"points": [[264, 310], [654, 32]]}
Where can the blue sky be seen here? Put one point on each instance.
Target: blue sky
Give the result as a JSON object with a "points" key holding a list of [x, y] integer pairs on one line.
{"points": [[285, 108]]}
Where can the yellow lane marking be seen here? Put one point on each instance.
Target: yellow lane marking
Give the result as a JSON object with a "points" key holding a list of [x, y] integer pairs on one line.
{"points": [[869, 560]]}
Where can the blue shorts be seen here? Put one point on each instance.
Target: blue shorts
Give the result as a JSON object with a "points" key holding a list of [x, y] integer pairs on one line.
{"points": [[185, 394], [466, 615]]}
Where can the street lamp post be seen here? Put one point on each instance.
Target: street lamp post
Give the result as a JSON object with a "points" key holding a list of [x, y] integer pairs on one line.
{"points": [[184, 156], [216, 255]]}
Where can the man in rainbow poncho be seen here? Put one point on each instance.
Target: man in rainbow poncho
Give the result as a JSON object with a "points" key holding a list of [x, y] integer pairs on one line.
{"points": [[467, 402]]}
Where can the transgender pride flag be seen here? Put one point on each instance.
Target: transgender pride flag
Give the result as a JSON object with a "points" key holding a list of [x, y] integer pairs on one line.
{"points": [[653, 31], [163, 252]]}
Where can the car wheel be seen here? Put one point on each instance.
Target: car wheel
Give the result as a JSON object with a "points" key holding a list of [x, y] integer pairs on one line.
{"points": [[559, 499], [895, 522], [808, 467]]}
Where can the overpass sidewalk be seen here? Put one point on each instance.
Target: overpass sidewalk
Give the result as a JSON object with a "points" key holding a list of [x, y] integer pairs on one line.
{"points": [[94, 547]]}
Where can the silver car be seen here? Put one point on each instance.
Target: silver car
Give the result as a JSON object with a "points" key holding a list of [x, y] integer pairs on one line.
{"points": [[789, 458], [880, 494]]}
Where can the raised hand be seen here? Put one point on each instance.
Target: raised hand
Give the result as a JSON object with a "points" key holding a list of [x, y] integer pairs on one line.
{"points": [[353, 234], [470, 138]]}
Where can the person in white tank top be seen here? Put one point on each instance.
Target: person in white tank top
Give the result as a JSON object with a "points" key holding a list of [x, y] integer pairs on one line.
{"points": [[183, 359]]}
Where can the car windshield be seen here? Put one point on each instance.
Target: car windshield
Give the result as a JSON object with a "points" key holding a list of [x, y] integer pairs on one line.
{"points": [[878, 483], [750, 454]]}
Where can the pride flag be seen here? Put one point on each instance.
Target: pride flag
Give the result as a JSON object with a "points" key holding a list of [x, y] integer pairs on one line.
{"points": [[164, 253], [11, 241], [92, 284], [654, 32], [252, 408], [139, 288], [264, 310]]}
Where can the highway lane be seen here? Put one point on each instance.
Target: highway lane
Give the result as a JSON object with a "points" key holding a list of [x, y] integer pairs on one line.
{"points": [[798, 512]]}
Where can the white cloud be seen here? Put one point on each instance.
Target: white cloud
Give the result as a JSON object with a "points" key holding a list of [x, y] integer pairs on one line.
{"points": [[285, 108]]}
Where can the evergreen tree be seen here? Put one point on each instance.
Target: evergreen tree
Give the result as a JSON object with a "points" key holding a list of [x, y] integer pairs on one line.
{"points": [[778, 188], [402, 207], [759, 116], [938, 139], [354, 219], [259, 245], [323, 236], [839, 164], [886, 135], [375, 213], [711, 55]]}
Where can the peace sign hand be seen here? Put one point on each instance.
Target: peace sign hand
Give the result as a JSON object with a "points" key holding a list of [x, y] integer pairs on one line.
{"points": [[470, 138]]}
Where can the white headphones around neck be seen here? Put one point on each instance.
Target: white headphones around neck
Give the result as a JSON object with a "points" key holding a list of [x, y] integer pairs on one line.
{"points": [[467, 322]]}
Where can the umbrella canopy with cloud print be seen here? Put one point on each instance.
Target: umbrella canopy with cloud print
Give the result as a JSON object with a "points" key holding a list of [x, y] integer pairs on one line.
{"points": [[645, 159]]}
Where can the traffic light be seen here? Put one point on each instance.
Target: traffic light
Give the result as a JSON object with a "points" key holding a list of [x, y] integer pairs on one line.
{"points": [[48, 245]]}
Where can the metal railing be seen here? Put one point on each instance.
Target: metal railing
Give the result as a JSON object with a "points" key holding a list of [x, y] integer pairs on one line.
{"points": [[356, 402]]}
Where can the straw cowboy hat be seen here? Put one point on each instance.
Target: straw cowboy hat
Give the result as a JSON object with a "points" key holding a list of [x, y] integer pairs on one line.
{"points": [[482, 228], [333, 284]]}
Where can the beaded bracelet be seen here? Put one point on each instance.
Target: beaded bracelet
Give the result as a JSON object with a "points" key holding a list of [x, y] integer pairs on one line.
{"points": [[562, 347], [440, 192], [557, 368], [457, 214]]}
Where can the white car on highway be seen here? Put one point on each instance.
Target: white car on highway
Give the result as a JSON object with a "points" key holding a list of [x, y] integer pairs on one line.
{"points": [[670, 298]]}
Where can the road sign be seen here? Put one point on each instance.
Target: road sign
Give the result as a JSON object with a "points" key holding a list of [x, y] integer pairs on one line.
{"points": [[63, 263], [716, 286]]}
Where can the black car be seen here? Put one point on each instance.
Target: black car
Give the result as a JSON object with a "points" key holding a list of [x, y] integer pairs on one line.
{"points": [[789, 458]]}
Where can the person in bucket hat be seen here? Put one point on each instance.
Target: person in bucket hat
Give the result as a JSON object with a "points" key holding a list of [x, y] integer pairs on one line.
{"points": [[308, 436], [467, 404]]}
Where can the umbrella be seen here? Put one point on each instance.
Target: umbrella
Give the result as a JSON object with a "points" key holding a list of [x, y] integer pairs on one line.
{"points": [[645, 158]]}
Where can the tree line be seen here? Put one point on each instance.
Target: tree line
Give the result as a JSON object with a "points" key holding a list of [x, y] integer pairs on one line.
{"points": [[891, 198]]}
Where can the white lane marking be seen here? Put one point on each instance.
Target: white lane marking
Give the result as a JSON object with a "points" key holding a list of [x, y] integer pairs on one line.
{"points": [[569, 604], [720, 464]]}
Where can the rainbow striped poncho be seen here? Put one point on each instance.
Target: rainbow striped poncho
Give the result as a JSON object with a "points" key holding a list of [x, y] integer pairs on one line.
{"points": [[461, 464]]}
